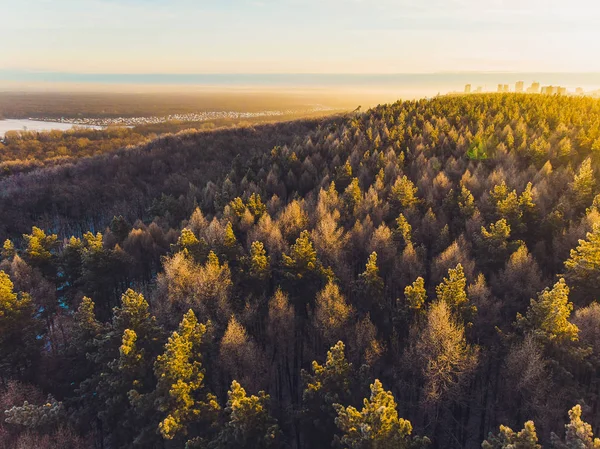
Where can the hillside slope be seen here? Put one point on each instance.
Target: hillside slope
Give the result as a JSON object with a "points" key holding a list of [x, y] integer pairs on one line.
{"points": [[89, 191], [411, 276]]}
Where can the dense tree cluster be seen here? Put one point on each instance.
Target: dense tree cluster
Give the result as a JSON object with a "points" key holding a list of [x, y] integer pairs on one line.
{"points": [[424, 274], [164, 177]]}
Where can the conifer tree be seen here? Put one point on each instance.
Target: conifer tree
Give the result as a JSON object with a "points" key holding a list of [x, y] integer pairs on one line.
{"points": [[259, 262], [188, 241], [578, 434], [181, 395], [582, 187], [509, 439], [71, 267], [256, 207], [494, 246], [404, 229], [302, 258], [249, 423], [403, 194], [583, 267], [548, 315], [304, 269], [120, 228], [40, 247], [86, 331], [122, 364], [353, 196], [19, 345], [453, 291], [466, 203], [415, 295], [343, 176], [325, 385], [8, 249], [125, 373], [377, 425], [370, 278]]}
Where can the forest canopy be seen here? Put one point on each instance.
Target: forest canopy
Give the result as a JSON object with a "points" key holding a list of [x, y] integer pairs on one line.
{"points": [[422, 274]]}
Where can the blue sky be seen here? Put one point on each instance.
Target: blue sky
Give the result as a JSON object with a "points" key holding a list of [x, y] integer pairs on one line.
{"points": [[296, 36]]}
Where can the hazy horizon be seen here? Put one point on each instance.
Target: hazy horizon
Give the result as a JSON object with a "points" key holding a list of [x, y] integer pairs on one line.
{"points": [[292, 36], [366, 88]]}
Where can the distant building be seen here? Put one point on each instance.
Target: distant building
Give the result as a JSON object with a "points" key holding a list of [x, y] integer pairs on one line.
{"points": [[561, 90], [579, 91], [506, 89], [500, 88], [534, 89], [479, 90], [468, 89], [519, 86]]}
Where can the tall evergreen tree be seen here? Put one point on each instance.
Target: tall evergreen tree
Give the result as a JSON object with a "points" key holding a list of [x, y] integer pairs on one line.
{"points": [[181, 395]]}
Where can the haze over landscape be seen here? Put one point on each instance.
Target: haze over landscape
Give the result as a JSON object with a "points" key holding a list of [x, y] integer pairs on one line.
{"points": [[299, 224]]}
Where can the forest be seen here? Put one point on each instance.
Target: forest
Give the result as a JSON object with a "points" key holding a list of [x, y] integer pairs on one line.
{"points": [[424, 274]]}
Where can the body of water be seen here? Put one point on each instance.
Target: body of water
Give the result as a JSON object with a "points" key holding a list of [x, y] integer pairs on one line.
{"points": [[36, 125]]}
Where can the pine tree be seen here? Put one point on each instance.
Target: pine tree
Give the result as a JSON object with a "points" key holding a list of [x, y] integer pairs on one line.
{"points": [[8, 249], [509, 439], [578, 434], [181, 395], [256, 206], [377, 425], [453, 291], [122, 362], [238, 207], [249, 423], [325, 385], [302, 258], [19, 345], [125, 373], [304, 269], [86, 331], [404, 229], [353, 196], [39, 418], [259, 262], [466, 203], [415, 295], [370, 278], [529, 211], [583, 267], [120, 228], [40, 247], [196, 248], [403, 194], [548, 315], [494, 245], [70, 263], [582, 187], [343, 176]]}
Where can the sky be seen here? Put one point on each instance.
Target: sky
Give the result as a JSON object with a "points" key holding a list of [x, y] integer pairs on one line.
{"points": [[299, 36]]}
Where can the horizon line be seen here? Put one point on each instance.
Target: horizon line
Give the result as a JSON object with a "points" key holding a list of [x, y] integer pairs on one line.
{"points": [[439, 72]]}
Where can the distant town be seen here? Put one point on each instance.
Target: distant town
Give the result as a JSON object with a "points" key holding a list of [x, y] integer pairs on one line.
{"points": [[191, 117], [535, 88]]}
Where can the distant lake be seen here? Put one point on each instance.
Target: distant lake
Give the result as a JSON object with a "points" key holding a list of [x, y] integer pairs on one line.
{"points": [[35, 125]]}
